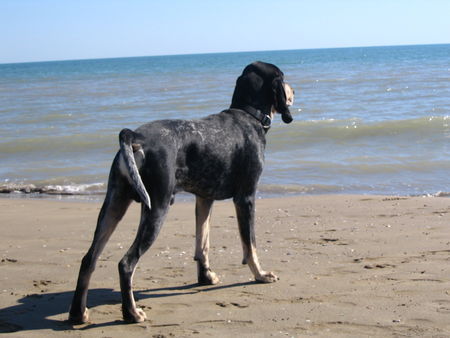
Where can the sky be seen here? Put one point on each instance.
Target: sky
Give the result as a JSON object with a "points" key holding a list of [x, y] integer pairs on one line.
{"points": [[45, 30]]}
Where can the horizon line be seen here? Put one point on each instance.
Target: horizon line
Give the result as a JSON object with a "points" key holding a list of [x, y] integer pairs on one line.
{"points": [[212, 53]]}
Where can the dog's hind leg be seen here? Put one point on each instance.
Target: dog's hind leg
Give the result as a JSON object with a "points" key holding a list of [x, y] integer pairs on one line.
{"points": [[149, 227], [245, 211], [202, 216], [114, 207]]}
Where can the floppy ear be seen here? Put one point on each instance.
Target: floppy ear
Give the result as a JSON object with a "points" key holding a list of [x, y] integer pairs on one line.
{"points": [[247, 87], [280, 103]]}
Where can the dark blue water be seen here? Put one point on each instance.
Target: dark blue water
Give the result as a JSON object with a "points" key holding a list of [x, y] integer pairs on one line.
{"points": [[367, 120]]}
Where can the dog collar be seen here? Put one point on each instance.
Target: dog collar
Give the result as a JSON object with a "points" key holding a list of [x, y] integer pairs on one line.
{"points": [[265, 119]]}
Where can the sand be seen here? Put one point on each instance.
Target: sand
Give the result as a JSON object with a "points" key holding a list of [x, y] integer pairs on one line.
{"points": [[349, 266]]}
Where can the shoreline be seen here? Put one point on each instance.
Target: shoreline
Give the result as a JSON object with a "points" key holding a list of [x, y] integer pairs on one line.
{"points": [[349, 266], [185, 197], [91, 191]]}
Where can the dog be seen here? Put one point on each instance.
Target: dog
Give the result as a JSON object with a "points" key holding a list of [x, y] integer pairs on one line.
{"points": [[218, 157]]}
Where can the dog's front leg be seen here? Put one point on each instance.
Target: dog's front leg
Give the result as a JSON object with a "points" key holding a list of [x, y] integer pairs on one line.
{"points": [[202, 216], [245, 211]]}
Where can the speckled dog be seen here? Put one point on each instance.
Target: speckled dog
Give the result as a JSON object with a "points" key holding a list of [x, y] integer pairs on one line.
{"points": [[218, 157]]}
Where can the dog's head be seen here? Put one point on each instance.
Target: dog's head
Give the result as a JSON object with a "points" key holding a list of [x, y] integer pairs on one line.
{"points": [[262, 87]]}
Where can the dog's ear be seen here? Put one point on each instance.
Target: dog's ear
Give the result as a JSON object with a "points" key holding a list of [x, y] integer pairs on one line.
{"points": [[247, 88], [280, 99]]}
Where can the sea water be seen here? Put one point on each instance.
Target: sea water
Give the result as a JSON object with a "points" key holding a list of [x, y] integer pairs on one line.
{"points": [[370, 120]]}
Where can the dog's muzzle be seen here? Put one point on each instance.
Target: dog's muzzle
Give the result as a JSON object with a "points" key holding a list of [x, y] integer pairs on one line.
{"points": [[287, 117], [286, 114]]}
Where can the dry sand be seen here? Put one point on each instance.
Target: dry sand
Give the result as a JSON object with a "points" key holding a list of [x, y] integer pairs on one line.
{"points": [[349, 266]]}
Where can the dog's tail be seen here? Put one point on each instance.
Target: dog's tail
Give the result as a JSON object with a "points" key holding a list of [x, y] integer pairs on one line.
{"points": [[128, 147]]}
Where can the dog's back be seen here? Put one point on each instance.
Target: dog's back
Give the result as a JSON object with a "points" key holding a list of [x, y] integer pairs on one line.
{"points": [[211, 157]]}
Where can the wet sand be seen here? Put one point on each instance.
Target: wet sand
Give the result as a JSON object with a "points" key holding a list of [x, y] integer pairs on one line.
{"points": [[349, 266]]}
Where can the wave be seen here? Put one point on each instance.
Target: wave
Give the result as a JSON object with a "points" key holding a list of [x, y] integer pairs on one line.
{"points": [[58, 144], [298, 133], [346, 130], [68, 189]]}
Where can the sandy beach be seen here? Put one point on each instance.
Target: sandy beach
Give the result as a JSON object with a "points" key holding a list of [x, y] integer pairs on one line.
{"points": [[349, 266]]}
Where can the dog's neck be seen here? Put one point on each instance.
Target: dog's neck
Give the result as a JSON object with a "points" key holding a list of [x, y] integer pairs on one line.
{"points": [[264, 118]]}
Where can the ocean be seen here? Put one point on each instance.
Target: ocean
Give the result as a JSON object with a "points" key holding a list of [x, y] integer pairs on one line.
{"points": [[372, 120]]}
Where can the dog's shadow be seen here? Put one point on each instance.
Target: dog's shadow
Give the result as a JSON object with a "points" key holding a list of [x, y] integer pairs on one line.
{"points": [[35, 311]]}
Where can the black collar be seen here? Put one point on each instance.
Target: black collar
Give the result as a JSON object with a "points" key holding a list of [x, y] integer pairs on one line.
{"points": [[265, 119]]}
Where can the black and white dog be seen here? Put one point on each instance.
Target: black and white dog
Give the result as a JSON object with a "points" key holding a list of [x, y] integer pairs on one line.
{"points": [[218, 157]]}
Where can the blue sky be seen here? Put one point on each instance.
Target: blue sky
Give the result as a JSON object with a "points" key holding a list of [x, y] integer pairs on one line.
{"points": [[38, 30]]}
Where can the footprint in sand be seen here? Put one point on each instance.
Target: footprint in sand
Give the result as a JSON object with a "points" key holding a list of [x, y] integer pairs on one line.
{"points": [[379, 266], [235, 304]]}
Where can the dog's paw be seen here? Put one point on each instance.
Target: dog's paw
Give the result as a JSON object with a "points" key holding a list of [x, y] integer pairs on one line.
{"points": [[208, 278], [266, 277], [136, 315], [79, 318]]}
